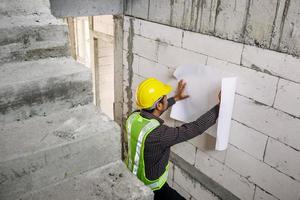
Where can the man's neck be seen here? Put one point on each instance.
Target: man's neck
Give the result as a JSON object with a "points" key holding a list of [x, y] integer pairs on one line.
{"points": [[156, 113]]}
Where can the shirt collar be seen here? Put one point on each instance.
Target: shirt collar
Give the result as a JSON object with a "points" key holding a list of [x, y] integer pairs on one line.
{"points": [[151, 116]]}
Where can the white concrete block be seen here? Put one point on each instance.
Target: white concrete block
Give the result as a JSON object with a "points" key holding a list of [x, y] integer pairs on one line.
{"points": [[145, 47], [148, 68], [201, 193], [186, 151], [256, 85], [283, 158], [161, 33], [171, 174], [181, 191], [136, 80], [104, 24], [262, 174], [262, 195], [183, 180], [288, 97], [206, 143], [273, 62], [174, 56], [135, 62], [212, 130], [267, 120], [225, 176], [212, 46], [247, 139], [125, 40], [187, 187]]}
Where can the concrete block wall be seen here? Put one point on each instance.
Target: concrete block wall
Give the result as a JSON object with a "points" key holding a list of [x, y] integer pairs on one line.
{"points": [[263, 157]]}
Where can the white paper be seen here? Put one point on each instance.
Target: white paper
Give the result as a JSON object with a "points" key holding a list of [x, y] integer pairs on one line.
{"points": [[225, 112], [203, 86]]}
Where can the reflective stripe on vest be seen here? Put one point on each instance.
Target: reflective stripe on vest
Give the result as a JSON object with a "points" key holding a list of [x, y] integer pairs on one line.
{"points": [[128, 129], [160, 181]]}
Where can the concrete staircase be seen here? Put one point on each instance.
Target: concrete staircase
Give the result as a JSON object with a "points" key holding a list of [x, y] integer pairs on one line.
{"points": [[54, 143]]}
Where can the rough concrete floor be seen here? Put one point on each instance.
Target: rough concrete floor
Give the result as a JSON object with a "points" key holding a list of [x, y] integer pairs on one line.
{"points": [[111, 182]]}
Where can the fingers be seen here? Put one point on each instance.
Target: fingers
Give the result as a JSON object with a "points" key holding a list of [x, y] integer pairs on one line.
{"points": [[185, 96], [181, 85]]}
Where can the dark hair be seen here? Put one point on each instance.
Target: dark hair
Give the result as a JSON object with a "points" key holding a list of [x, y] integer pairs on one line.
{"points": [[152, 110]]}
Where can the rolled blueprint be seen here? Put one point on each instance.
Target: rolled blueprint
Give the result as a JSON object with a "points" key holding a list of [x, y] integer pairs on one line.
{"points": [[225, 112]]}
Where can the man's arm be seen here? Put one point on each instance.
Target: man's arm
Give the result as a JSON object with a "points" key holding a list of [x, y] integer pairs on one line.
{"points": [[170, 136]]}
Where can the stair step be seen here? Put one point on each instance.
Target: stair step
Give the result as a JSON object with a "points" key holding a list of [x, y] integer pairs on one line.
{"points": [[24, 7], [18, 52], [112, 181], [42, 87], [32, 37], [30, 29], [44, 150]]}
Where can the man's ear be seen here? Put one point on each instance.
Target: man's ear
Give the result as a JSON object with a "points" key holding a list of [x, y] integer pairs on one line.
{"points": [[160, 106]]}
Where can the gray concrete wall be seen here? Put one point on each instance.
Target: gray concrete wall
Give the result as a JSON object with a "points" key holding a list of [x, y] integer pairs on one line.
{"points": [[270, 24], [263, 157], [64, 8]]}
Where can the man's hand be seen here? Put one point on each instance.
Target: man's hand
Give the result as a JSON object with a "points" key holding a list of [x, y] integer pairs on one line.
{"points": [[180, 91]]}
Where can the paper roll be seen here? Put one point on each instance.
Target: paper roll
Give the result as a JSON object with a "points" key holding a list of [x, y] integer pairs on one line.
{"points": [[225, 112]]}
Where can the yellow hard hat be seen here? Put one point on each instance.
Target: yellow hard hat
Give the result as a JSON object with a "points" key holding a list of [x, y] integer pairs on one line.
{"points": [[149, 91]]}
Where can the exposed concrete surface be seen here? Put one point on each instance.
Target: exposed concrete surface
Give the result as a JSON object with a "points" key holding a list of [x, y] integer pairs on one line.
{"points": [[32, 37], [159, 11], [290, 28], [44, 140], [30, 29], [24, 7], [63, 8], [43, 150], [20, 52], [112, 181], [229, 18], [263, 23], [32, 88]]}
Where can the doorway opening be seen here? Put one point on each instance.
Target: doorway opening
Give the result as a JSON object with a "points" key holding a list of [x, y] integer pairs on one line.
{"points": [[92, 44]]}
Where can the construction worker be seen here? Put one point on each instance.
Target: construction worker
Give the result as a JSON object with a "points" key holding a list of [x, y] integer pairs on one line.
{"points": [[149, 140]]}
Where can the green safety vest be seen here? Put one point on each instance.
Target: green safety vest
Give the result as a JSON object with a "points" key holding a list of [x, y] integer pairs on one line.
{"points": [[138, 128]]}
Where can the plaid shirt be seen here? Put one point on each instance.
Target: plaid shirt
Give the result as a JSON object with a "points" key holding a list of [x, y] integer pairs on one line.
{"points": [[160, 140]]}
